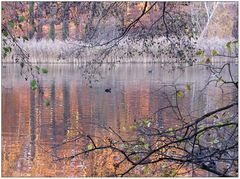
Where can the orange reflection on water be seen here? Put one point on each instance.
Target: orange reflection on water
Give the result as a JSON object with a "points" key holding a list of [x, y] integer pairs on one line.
{"points": [[30, 129]]}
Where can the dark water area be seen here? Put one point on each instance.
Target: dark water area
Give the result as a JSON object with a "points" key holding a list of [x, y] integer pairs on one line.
{"points": [[30, 128]]}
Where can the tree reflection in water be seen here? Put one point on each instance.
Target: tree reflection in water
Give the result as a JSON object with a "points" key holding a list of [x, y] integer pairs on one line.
{"points": [[141, 109]]}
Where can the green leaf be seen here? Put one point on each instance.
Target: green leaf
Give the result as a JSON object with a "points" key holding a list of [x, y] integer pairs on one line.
{"points": [[34, 88], [200, 53], [146, 121], [214, 52], [133, 126], [47, 102], [174, 172], [34, 84], [7, 49], [146, 169], [4, 54], [188, 86], [202, 126], [137, 157], [171, 133], [21, 18], [5, 33], [123, 146], [11, 24], [44, 70], [89, 146], [37, 68], [235, 41], [179, 93], [146, 146], [228, 45], [219, 123]]}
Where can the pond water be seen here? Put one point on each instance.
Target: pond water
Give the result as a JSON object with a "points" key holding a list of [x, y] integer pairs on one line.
{"points": [[30, 128]]}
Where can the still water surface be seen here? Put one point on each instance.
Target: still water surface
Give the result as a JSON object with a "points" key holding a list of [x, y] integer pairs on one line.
{"points": [[30, 128]]}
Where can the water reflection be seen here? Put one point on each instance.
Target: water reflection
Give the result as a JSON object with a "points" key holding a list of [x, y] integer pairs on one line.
{"points": [[66, 106], [30, 128], [32, 125]]}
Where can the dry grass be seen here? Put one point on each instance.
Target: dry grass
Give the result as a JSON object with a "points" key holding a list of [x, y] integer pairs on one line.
{"points": [[48, 51], [215, 44]]}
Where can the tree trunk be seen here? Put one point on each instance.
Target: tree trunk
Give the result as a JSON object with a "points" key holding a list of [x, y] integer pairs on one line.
{"points": [[40, 21], [77, 24], [65, 27], [31, 20], [51, 23], [89, 26]]}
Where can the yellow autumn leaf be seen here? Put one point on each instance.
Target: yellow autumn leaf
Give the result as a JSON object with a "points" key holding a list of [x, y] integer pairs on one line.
{"points": [[90, 147], [188, 86], [214, 52], [179, 93]]}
